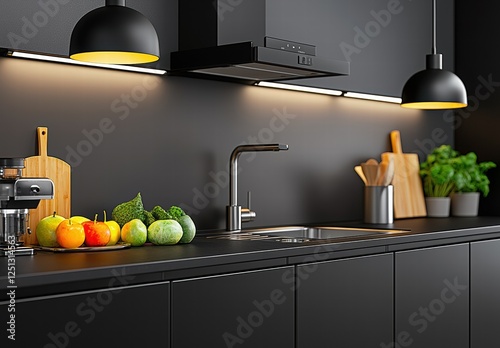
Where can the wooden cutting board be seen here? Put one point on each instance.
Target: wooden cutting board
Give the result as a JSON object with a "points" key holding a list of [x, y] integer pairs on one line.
{"points": [[59, 172], [408, 193]]}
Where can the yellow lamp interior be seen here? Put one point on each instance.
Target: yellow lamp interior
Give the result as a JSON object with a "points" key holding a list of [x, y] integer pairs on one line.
{"points": [[434, 105], [113, 57]]}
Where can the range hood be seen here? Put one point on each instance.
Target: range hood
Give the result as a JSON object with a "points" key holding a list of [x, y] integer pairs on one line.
{"points": [[219, 42]]}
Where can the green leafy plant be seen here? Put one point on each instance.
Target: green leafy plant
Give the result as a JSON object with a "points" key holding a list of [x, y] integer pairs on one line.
{"points": [[446, 171], [438, 172], [470, 176]]}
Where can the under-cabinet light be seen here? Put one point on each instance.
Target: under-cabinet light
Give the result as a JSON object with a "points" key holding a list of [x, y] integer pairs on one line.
{"points": [[373, 97], [329, 92], [299, 88], [56, 59]]}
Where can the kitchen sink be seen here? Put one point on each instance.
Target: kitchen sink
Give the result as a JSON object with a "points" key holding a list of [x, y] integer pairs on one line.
{"points": [[299, 234], [322, 232]]}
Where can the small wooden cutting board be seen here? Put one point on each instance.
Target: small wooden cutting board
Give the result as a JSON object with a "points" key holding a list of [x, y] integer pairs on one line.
{"points": [[408, 193], [44, 166]]}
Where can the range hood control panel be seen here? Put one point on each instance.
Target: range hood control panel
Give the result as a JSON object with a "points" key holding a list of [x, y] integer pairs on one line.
{"points": [[290, 46]]}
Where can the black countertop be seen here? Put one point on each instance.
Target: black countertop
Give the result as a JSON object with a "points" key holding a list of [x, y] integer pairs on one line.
{"points": [[210, 256]]}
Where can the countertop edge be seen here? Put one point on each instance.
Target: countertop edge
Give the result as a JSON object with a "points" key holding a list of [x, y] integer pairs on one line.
{"points": [[259, 251]]}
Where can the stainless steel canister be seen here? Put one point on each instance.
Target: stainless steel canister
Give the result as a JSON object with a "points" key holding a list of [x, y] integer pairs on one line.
{"points": [[379, 204]]}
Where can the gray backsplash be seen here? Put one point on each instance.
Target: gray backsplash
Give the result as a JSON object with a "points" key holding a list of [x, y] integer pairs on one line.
{"points": [[170, 139]]}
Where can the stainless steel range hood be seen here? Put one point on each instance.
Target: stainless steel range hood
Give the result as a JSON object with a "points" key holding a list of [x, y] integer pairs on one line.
{"points": [[237, 46]]}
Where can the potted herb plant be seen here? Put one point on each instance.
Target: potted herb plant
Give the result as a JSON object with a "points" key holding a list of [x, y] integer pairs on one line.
{"points": [[438, 173], [470, 181]]}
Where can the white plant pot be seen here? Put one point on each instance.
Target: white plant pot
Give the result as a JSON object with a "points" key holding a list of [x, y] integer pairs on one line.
{"points": [[465, 204], [437, 206]]}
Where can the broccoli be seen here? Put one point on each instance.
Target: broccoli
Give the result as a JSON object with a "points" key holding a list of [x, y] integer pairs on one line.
{"points": [[128, 211], [148, 218], [175, 212], [160, 214]]}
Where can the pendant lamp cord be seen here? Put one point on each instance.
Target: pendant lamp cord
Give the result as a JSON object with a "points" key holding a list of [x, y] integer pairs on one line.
{"points": [[115, 2], [434, 49]]}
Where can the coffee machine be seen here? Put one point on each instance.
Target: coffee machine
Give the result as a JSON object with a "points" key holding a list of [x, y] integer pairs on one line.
{"points": [[17, 196]]}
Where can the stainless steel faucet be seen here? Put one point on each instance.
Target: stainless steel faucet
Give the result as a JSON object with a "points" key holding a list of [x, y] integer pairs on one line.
{"points": [[235, 214]]}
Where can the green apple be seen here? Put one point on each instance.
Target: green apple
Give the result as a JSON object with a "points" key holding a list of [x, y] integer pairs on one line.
{"points": [[46, 230], [134, 232]]}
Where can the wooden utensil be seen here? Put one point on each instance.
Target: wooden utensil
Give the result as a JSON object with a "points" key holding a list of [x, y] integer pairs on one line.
{"points": [[359, 170], [60, 173], [370, 171], [382, 172], [389, 175], [408, 193]]}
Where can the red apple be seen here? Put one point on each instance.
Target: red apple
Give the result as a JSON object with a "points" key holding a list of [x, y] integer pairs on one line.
{"points": [[97, 233]]}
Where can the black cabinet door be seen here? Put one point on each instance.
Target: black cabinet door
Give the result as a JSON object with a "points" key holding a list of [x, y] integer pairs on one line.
{"points": [[485, 294], [345, 303], [250, 309], [132, 316], [432, 297]]}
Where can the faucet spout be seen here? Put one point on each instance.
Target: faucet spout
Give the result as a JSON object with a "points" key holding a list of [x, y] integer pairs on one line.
{"points": [[233, 165], [235, 214]]}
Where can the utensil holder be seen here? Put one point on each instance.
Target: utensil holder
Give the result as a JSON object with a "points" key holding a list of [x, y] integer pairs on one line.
{"points": [[379, 204]]}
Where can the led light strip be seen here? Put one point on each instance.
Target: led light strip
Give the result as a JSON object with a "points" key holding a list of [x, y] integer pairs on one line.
{"points": [[56, 59], [299, 88], [373, 97], [329, 92]]}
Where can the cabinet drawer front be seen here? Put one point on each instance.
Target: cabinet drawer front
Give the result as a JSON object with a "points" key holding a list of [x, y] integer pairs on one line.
{"points": [[432, 297], [345, 303], [127, 316], [485, 294], [248, 309]]}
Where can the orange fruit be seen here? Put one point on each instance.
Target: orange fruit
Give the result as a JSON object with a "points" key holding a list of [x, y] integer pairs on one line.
{"points": [[70, 234]]}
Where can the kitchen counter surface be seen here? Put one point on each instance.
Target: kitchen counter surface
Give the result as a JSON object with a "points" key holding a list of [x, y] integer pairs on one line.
{"points": [[206, 256]]}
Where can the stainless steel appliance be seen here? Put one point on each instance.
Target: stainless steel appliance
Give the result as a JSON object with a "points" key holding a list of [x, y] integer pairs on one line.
{"points": [[17, 196]]}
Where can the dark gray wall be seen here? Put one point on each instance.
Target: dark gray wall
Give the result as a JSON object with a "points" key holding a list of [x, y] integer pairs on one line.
{"points": [[477, 53], [385, 41], [170, 137]]}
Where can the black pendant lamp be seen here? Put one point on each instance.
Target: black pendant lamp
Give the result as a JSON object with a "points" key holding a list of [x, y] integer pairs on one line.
{"points": [[434, 88], [114, 34]]}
